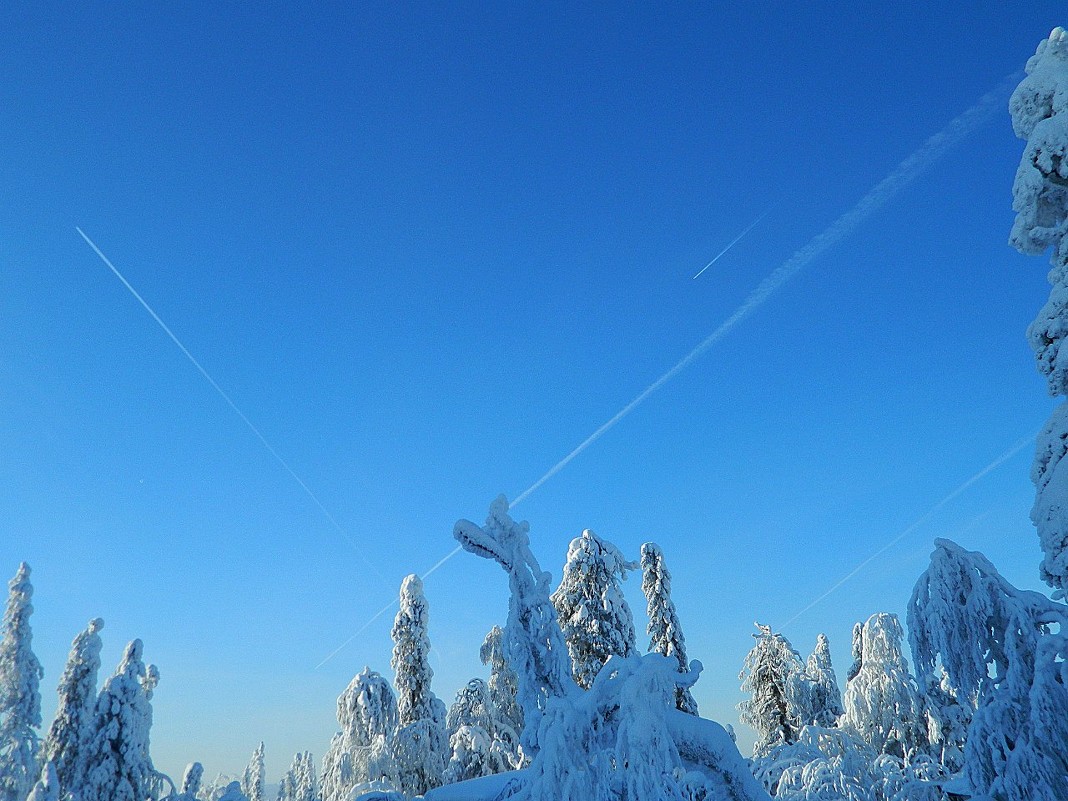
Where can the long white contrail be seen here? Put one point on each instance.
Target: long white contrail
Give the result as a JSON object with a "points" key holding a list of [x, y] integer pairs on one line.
{"points": [[229, 401], [1015, 449], [732, 243], [905, 172]]}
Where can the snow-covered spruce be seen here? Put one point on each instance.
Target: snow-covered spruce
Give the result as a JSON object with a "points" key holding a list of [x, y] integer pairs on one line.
{"points": [[824, 701], [20, 696], [420, 745], [664, 630], [72, 726], [253, 778], [480, 743], [770, 677], [503, 693], [117, 762], [535, 645], [360, 753], [882, 702], [233, 793], [593, 614], [191, 779], [1040, 200], [995, 644]]}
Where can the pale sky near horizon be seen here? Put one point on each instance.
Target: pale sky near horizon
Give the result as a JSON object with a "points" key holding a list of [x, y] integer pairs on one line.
{"points": [[427, 252]]}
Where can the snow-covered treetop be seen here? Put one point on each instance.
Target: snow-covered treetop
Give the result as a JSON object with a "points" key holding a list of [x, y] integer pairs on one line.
{"points": [[664, 629], [20, 670], [411, 654], [536, 648], [594, 615], [1037, 108], [367, 709], [882, 702], [194, 773], [960, 616]]}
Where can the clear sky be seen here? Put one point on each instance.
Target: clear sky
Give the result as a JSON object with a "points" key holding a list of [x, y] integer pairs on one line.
{"points": [[428, 251]]}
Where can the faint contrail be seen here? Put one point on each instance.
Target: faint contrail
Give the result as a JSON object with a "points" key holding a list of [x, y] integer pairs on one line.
{"points": [[733, 242], [229, 402], [1015, 449], [905, 172]]}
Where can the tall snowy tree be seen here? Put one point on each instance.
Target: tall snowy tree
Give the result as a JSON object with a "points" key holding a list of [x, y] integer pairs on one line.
{"points": [[769, 675], [503, 690], [1001, 657], [118, 766], [253, 778], [856, 651], [1040, 200], [20, 696], [824, 697], [72, 726], [665, 632], [420, 744], [535, 644], [593, 614], [359, 753], [882, 702]]}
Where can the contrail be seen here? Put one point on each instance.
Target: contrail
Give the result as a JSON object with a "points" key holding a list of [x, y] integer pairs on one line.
{"points": [[1015, 449], [905, 172], [733, 242], [229, 401]]}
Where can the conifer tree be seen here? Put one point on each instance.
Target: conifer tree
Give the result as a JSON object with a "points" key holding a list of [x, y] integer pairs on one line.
{"points": [[825, 699], [191, 779], [594, 615], [882, 702], [420, 744], [359, 753], [665, 632], [769, 676], [253, 777], [20, 697], [118, 766], [503, 689], [68, 736]]}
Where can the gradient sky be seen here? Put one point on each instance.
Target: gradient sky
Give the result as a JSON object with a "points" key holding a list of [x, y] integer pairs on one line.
{"points": [[428, 251]]}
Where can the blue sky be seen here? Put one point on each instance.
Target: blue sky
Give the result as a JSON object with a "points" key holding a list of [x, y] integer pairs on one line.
{"points": [[428, 251]]}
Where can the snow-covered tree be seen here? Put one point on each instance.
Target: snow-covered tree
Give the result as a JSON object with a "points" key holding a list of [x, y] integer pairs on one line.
{"points": [[73, 724], [191, 779], [1000, 656], [47, 787], [536, 649], [480, 743], [824, 700], [593, 614], [503, 693], [1040, 200], [769, 675], [665, 632], [856, 651], [359, 753], [298, 783], [882, 702], [118, 766], [420, 744], [20, 696], [253, 778]]}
